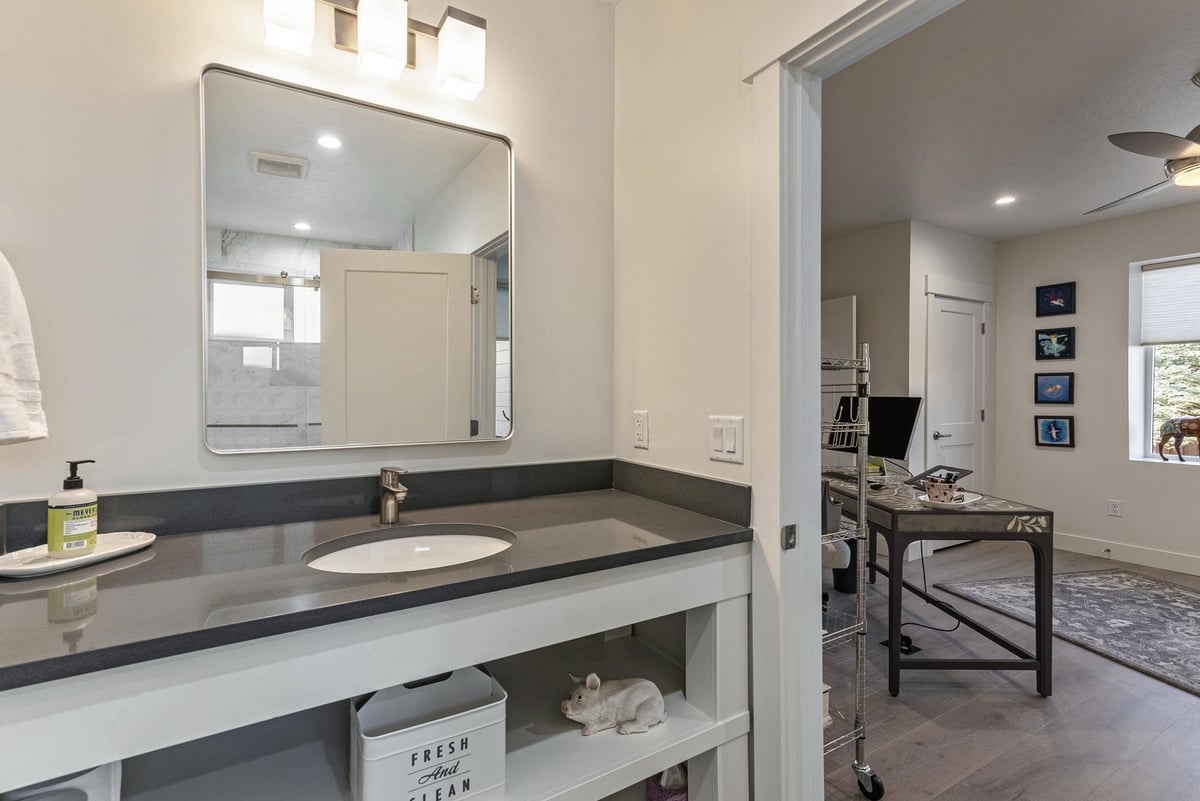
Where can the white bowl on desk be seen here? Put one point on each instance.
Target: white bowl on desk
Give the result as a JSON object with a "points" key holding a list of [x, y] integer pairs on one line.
{"points": [[967, 498]]}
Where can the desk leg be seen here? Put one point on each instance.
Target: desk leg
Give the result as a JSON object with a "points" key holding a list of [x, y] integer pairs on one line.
{"points": [[896, 548], [872, 551], [1043, 582]]}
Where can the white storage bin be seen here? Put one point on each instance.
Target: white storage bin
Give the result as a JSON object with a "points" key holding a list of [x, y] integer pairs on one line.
{"points": [[98, 784], [438, 741]]}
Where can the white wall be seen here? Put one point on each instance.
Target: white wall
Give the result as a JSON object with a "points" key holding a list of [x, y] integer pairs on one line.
{"points": [[682, 319], [682, 268], [952, 259], [471, 211], [1159, 525], [100, 210], [889, 268], [874, 267]]}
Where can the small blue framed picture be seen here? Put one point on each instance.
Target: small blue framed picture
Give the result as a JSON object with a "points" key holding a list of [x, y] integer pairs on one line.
{"points": [[1055, 299], [1055, 344], [1054, 432], [1054, 388]]}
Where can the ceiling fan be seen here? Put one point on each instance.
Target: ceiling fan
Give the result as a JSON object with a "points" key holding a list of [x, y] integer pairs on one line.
{"points": [[1181, 154]]}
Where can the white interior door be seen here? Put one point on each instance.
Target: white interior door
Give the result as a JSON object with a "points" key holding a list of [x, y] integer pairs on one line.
{"points": [[395, 346], [954, 404]]}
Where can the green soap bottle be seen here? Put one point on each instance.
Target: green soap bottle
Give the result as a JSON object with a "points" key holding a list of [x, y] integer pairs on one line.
{"points": [[73, 518]]}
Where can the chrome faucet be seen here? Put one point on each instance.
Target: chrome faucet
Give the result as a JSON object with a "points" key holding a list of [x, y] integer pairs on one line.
{"points": [[391, 494]]}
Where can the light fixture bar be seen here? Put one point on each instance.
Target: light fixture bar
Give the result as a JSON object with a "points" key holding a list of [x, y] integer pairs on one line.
{"points": [[345, 30], [461, 38]]}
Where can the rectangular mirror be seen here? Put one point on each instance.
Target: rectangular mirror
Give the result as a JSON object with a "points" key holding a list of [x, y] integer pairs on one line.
{"points": [[356, 273]]}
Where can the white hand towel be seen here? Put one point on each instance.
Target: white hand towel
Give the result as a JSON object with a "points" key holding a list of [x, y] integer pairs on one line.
{"points": [[21, 415]]}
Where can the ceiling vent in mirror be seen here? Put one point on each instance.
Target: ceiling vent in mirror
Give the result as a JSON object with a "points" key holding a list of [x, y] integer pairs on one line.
{"points": [[281, 166]]}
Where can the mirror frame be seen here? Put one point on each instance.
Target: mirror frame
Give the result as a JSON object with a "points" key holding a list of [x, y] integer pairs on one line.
{"points": [[204, 304]]}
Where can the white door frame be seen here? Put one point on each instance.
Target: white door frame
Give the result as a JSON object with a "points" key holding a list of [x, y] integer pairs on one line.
{"points": [[785, 332]]}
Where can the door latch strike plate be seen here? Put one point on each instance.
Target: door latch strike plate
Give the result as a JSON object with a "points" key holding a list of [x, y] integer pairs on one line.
{"points": [[789, 537]]}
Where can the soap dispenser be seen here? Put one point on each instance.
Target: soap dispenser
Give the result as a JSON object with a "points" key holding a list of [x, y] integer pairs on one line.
{"points": [[73, 517]]}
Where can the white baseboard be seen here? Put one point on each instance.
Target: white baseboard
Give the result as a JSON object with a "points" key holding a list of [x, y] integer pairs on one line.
{"points": [[1123, 552]]}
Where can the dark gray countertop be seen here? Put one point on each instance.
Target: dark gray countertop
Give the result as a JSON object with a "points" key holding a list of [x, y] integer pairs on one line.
{"points": [[194, 591]]}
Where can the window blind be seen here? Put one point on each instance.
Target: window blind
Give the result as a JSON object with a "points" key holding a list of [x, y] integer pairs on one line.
{"points": [[1170, 299]]}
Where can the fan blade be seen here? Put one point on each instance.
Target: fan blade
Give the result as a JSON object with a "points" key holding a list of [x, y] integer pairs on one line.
{"points": [[1156, 145], [1138, 193]]}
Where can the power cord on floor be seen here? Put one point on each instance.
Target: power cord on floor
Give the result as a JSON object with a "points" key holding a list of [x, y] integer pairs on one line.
{"points": [[940, 605]]}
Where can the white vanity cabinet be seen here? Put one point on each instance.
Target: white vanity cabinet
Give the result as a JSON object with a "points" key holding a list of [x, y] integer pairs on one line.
{"points": [[273, 716]]}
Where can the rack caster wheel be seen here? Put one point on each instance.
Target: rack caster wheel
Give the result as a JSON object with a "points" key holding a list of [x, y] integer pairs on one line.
{"points": [[874, 792]]}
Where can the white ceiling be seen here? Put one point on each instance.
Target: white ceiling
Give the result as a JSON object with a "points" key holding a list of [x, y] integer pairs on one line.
{"points": [[1013, 97], [388, 169]]}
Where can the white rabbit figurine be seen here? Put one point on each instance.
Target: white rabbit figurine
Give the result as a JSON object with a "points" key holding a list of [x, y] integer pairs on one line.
{"points": [[631, 705]]}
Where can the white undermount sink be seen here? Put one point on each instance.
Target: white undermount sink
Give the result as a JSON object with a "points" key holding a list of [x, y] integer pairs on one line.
{"points": [[407, 548]]}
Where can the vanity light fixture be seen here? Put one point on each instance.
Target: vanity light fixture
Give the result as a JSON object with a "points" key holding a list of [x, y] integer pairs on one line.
{"points": [[302, 226], [289, 24], [330, 141], [383, 36], [462, 43], [385, 39], [1005, 200]]}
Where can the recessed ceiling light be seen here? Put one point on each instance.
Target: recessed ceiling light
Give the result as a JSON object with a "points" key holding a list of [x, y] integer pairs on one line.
{"points": [[1005, 200], [302, 226], [330, 141]]}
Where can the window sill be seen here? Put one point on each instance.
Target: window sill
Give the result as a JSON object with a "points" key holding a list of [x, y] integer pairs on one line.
{"points": [[1156, 459]]}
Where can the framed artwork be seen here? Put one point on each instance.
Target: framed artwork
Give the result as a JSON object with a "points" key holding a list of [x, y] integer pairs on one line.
{"points": [[1054, 432], [1056, 299], [1054, 388], [1055, 343]]}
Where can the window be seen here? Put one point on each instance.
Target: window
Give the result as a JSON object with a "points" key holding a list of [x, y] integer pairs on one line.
{"points": [[1175, 391], [1170, 350], [246, 309]]}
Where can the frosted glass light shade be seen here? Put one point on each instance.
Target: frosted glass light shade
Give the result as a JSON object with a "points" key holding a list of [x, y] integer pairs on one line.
{"points": [[289, 24], [1186, 173], [383, 36], [462, 49]]}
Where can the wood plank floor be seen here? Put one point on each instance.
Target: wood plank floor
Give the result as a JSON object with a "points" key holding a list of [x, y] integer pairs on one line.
{"points": [[1109, 733]]}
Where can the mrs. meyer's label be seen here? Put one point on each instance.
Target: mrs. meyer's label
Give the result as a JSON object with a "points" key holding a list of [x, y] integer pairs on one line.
{"points": [[440, 771], [72, 527]]}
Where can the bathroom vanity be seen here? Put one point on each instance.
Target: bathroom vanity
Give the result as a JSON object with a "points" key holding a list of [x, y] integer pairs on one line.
{"points": [[219, 664]]}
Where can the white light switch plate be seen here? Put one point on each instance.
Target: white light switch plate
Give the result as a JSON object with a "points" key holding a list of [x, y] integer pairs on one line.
{"points": [[727, 439], [641, 429]]}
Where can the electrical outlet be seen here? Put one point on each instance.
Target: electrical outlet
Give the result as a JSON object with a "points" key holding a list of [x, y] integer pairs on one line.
{"points": [[1114, 508], [641, 429]]}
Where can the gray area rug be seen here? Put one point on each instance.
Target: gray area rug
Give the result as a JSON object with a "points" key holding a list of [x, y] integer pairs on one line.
{"points": [[1149, 625]]}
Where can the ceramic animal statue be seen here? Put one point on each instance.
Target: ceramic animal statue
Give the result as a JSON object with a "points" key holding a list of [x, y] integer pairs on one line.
{"points": [[629, 705], [1177, 428]]}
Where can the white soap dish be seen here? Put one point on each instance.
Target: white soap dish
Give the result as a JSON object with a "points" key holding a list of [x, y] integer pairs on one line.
{"points": [[36, 561]]}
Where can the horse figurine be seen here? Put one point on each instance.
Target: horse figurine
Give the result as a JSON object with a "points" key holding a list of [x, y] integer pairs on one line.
{"points": [[1177, 428]]}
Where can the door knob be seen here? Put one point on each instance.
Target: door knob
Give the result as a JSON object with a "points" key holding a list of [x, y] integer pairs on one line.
{"points": [[940, 435]]}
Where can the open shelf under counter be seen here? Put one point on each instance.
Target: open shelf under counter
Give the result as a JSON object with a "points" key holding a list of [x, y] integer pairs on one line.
{"points": [[548, 758], [305, 756]]}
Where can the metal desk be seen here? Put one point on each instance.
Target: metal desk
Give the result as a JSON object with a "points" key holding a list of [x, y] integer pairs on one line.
{"points": [[895, 512]]}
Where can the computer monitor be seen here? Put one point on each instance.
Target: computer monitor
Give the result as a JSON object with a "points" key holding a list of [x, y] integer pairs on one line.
{"points": [[892, 419]]}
